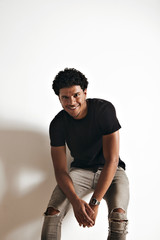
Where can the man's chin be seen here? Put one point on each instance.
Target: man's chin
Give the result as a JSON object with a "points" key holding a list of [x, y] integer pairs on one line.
{"points": [[74, 115]]}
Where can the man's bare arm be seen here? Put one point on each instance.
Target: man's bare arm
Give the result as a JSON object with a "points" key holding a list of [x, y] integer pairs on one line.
{"points": [[111, 155], [60, 167], [65, 183]]}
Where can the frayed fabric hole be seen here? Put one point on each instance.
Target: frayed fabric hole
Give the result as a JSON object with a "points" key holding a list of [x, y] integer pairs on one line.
{"points": [[51, 212]]}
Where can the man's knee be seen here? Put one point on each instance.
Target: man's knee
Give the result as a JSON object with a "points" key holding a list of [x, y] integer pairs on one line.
{"points": [[51, 225], [51, 211], [120, 210], [118, 221]]}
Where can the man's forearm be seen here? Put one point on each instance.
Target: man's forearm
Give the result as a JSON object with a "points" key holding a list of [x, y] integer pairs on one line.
{"points": [[105, 179], [65, 183], [111, 156]]}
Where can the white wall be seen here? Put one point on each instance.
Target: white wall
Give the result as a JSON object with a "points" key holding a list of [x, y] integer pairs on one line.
{"points": [[116, 45]]}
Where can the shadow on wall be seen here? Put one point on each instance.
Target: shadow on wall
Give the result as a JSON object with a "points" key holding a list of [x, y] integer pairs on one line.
{"points": [[26, 183], [26, 178]]}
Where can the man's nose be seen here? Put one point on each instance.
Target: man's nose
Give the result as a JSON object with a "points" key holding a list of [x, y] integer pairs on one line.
{"points": [[71, 101]]}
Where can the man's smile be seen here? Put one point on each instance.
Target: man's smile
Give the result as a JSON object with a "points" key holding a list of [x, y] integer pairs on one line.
{"points": [[73, 107]]}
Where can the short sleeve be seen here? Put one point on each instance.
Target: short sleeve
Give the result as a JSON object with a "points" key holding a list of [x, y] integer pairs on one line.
{"points": [[56, 131], [107, 119]]}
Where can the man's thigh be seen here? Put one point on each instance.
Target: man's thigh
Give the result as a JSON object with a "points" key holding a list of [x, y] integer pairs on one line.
{"points": [[117, 195], [82, 180]]}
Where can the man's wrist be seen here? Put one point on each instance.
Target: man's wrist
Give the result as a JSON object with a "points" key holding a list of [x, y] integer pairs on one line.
{"points": [[94, 207], [94, 202], [74, 200]]}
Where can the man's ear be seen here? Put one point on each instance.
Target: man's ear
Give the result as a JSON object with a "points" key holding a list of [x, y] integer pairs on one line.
{"points": [[85, 91]]}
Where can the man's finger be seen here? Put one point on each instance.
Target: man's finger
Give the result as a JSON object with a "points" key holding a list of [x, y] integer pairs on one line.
{"points": [[89, 209], [87, 219]]}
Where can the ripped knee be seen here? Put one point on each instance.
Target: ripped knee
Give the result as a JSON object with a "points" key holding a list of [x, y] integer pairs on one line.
{"points": [[118, 221], [51, 211]]}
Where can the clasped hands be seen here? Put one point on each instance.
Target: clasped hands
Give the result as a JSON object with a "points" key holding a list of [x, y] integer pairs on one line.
{"points": [[85, 213]]}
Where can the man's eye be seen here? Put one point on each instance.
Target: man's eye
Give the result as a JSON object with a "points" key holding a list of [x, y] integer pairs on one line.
{"points": [[76, 95]]}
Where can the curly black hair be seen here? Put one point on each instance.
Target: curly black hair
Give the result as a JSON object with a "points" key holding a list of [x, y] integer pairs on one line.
{"points": [[68, 78]]}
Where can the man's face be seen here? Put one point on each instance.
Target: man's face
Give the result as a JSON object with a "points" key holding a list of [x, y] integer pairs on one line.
{"points": [[73, 100]]}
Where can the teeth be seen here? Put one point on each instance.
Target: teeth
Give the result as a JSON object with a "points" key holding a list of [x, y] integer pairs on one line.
{"points": [[72, 108]]}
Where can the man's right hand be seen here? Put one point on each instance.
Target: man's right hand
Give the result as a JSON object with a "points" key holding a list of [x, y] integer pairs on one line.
{"points": [[81, 208]]}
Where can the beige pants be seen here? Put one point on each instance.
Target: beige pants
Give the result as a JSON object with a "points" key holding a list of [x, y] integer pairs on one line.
{"points": [[85, 181]]}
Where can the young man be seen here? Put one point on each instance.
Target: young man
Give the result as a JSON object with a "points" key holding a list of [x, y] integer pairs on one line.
{"points": [[90, 128]]}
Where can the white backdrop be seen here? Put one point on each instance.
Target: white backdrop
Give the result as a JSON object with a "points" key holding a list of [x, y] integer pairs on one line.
{"points": [[116, 45]]}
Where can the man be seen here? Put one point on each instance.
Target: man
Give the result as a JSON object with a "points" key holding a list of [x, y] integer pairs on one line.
{"points": [[90, 128]]}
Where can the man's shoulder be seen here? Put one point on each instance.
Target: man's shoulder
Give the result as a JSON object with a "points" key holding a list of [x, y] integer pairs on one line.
{"points": [[99, 103], [101, 107], [59, 116]]}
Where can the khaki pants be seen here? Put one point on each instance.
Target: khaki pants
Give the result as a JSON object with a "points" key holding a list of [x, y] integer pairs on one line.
{"points": [[85, 181]]}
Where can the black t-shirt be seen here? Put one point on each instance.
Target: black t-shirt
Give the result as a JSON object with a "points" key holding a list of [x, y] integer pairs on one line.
{"points": [[84, 136]]}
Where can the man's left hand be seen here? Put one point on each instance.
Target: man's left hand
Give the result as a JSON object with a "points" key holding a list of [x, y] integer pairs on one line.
{"points": [[92, 215]]}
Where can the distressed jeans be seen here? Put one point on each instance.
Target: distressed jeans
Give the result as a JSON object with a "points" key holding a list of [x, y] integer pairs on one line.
{"points": [[84, 181]]}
